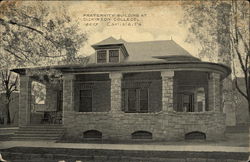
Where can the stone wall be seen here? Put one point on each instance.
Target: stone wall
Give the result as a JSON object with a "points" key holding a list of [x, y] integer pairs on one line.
{"points": [[164, 126], [51, 98], [24, 100]]}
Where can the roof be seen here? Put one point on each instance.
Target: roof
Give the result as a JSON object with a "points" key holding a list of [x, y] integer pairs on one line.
{"points": [[131, 66], [168, 50], [109, 41], [141, 56], [152, 50]]}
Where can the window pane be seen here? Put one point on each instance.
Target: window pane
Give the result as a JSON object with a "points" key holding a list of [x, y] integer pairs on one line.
{"points": [[144, 100], [113, 55], [135, 100], [179, 103], [85, 101], [101, 56], [132, 100]]}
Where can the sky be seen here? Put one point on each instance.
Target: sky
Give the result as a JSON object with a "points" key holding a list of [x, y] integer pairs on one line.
{"points": [[151, 21]]}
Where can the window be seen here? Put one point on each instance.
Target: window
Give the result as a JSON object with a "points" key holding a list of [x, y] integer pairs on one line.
{"points": [[196, 135], [113, 55], [85, 101], [144, 100], [102, 56], [94, 134], [185, 102], [141, 135], [135, 100]]}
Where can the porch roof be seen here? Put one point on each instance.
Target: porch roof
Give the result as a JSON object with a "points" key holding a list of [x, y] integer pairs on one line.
{"points": [[134, 66]]}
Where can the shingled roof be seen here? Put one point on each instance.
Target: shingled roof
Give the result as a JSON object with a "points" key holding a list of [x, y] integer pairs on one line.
{"points": [[168, 50]]}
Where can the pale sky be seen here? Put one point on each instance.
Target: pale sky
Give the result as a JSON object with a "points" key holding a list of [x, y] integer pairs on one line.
{"points": [[160, 22]]}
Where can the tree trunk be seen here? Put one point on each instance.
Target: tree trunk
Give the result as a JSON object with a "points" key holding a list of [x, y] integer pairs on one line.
{"points": [[7, 112], [248, 104]]}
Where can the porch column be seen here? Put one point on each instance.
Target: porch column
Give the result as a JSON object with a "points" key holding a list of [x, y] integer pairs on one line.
{"points": [[68, 93], [214, 94], [24, 100], [116, 99], [167, 90]]}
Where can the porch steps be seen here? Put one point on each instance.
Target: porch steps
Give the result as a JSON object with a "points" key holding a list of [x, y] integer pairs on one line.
{"points": [[39, 133]]}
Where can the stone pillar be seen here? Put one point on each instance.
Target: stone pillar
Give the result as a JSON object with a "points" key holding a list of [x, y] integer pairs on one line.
{"points": [[51, 98], [167, 90], [214, 94], [68, 94], [24, 100], [116, 92]]}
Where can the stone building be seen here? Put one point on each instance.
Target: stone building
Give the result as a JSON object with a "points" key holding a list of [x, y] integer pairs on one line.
{"points": [[134, 90]]}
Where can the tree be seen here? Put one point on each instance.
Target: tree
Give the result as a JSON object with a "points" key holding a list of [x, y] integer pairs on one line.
{"points": [[223, 23], [34, 34], [9, 84], [31, 32]]}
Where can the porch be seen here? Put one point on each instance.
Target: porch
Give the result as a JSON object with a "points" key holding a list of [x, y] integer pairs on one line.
{"points": [[167, 104]]}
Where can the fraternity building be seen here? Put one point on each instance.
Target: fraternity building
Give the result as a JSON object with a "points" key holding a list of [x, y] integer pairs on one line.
{"points": [[152, 90]]}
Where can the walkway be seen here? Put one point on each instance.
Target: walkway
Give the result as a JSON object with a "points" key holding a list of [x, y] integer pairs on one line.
{"points": [[144, 147]]}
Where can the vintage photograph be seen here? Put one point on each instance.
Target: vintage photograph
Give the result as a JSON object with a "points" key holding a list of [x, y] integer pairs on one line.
{"points": [[124, 81]]}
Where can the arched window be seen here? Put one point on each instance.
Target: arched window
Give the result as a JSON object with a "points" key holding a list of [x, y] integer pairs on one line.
{"points": [[141, 135], [195, 135], [92, 134]]}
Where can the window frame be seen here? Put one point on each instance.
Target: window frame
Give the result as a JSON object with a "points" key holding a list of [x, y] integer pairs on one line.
{"points": [[125, 102], [182, 103], [113, 56], [108, 55]]}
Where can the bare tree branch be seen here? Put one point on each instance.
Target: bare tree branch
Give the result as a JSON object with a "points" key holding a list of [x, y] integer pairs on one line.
{"points": [[238, 88]]}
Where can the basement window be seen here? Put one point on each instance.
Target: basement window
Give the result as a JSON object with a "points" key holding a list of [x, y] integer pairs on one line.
{"points": [[92, 134], [196, 135], [142, 135]]}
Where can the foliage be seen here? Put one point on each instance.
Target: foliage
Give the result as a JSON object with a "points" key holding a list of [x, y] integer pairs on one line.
{"points": [[222, 28], [35, 34]]}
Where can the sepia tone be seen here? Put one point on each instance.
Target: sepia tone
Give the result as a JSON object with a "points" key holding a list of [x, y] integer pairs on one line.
{"points": [[124, 81]]}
